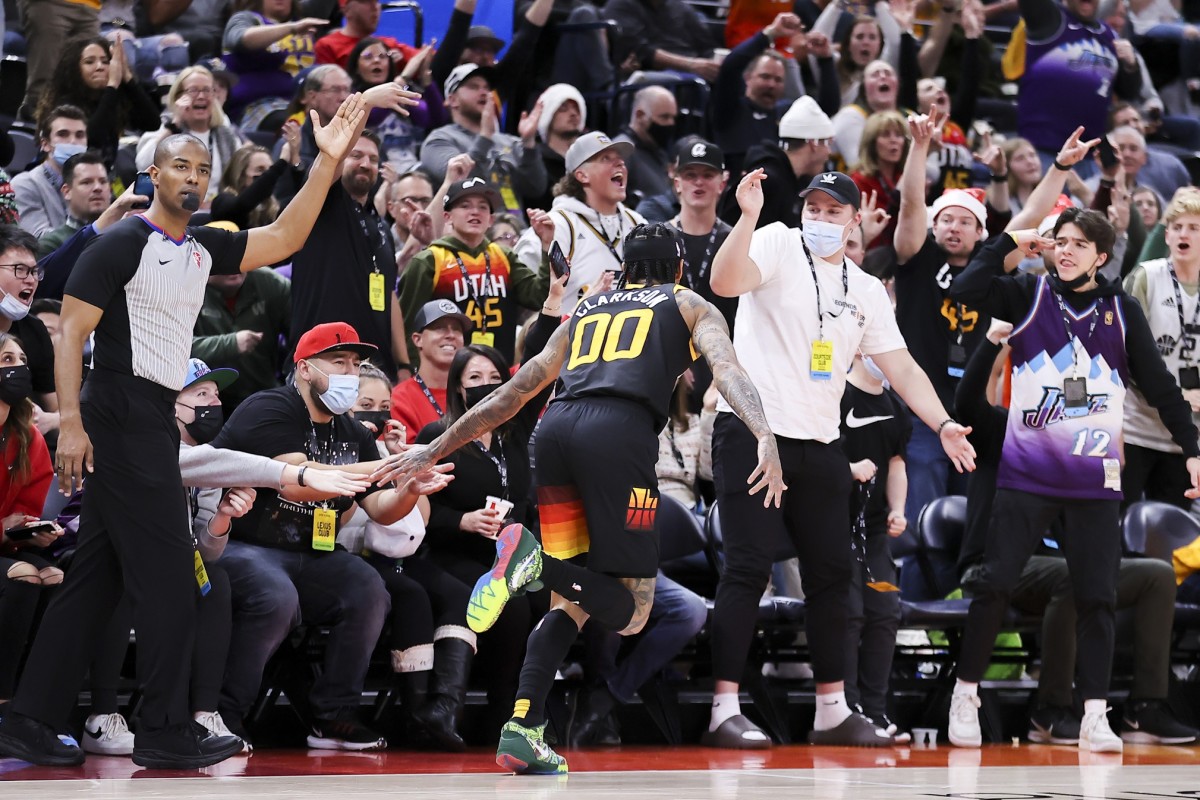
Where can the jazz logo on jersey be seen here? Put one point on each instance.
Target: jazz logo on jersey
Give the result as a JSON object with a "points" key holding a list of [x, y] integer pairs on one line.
{"points": [[1049, 409], [643, 505]]}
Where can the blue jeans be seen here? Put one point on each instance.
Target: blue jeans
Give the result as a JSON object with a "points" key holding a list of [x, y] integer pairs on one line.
{"points": [[930, 473], [678, 614], [1172, 33], [273, 592]]}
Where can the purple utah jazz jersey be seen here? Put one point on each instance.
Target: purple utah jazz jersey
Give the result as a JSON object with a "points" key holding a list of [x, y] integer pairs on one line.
{"points": [[1046, 451], [1067, 83]]}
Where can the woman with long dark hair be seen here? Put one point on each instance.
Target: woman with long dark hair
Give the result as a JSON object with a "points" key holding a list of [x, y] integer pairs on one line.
{"points": [[95, 76]]}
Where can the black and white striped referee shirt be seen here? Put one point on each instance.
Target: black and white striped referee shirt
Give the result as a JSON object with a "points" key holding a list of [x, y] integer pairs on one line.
{"points": [[150, 288]]}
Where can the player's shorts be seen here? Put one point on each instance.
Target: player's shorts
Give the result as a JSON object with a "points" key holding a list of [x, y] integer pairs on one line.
{"points": [[597, 488]]}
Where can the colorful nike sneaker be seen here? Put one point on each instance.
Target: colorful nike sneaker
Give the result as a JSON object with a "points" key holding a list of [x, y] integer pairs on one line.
{"points": [[517, 568], [524, 751]]}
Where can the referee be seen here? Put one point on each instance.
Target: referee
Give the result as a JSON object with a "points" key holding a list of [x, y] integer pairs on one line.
{"points": [[139, 287]]}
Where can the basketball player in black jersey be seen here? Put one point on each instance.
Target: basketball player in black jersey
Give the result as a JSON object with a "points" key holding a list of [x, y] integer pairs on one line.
{"points": [[619, 357]]}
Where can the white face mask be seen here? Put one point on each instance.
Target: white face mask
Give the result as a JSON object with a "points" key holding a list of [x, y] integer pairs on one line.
{"points": [[823, 238], [13, 308], [342, 393], [873, 369]]}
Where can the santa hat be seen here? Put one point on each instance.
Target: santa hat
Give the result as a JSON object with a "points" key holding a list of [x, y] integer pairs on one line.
{"points": [[970, 199]]}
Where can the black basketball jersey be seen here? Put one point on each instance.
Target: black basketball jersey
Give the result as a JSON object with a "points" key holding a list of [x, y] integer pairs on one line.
{"points": [[631, 343]]}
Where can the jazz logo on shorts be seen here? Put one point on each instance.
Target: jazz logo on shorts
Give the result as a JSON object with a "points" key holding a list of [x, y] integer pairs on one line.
{"points": [[643, 504]]}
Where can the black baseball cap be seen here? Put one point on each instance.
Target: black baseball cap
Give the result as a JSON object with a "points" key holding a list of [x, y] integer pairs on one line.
{"points": [[837, 185], [699, 151], [472, 186]]}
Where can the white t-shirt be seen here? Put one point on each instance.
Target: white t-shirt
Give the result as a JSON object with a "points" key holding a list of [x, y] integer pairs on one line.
{"points": [[777, 324]]}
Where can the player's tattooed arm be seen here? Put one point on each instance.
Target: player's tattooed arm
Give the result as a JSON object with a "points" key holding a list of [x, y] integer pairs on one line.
{"points": [[502, 404], [711, 337], [642, 590]]}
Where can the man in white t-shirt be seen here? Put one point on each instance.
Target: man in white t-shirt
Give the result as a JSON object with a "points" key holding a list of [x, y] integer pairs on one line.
{"points": [[803, 312]]}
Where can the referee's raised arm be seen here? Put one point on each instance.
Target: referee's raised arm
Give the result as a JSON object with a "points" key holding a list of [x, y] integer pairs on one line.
{"points": [[286, 235]]}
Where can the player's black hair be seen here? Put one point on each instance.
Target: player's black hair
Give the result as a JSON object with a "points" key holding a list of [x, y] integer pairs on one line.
{"points": [[652, 255]]}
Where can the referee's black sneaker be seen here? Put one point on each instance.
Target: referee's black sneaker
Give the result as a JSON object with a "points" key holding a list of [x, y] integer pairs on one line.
{"points": [[36, 742], [1151, 722], [344, 732], [187, 745]]}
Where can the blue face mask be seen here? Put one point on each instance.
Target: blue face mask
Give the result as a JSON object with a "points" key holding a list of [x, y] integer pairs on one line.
{"points": [[64, 151], [823, 238], [342, 393]]}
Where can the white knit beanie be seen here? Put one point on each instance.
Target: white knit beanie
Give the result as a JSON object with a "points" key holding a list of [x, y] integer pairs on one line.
{"points": [[552, 99]]}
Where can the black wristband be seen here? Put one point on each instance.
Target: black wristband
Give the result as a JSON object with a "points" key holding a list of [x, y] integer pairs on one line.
{"points": [[1060, 166], [300, 475], [945, 422], [998, 178]]}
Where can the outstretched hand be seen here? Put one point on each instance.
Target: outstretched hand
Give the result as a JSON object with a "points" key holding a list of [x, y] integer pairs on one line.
{"points": [[960, 451], [925, 127], [768, 474], [1073, 150], [335, 139]]}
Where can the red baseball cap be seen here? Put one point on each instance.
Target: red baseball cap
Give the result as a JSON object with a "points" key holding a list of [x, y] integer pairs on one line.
{"points": [[331, 336]]}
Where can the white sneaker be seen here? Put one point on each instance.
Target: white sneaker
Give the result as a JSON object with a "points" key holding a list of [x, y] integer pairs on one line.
{"points": [[107, 735], [1096, 735], [213, 721], [964, 720]]}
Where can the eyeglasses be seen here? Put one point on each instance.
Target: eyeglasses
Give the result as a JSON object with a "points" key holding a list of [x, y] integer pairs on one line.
{"points": [[23, 271], [506, 237], [373, 56], [204, 91]]}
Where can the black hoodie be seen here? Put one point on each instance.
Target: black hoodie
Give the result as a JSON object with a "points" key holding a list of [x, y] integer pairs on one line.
{"points": [[781, 189], [984, 285]]}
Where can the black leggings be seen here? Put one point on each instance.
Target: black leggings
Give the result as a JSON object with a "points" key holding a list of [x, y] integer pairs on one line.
{"points": [[815, 519], [424, 597], [20, 602]]}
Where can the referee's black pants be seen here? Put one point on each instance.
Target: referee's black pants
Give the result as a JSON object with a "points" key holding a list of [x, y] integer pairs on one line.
{"points": [[134, 539], [1091, 541], [815, 518]]}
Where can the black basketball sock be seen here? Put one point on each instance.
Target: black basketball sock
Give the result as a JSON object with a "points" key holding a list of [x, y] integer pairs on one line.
{"points": [[603, 597], [548, 646]]}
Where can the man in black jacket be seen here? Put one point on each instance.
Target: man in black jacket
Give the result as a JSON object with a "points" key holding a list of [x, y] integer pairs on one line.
{"points": [[801, 152]]}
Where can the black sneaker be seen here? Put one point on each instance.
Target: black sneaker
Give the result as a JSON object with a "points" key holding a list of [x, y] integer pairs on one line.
{"points": [[187, 745], [1151, 722], [892, 729], [36, 742], [1054, 725], [344, 732]]}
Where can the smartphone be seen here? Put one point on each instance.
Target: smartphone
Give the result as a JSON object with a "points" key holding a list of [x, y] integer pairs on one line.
{"points": [[1108, 153], [28, 531], [558, 262], [145, 187]]}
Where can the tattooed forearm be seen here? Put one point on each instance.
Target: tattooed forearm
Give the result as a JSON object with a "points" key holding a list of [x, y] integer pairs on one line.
{"points": [[502, 404], [642, 590], [712, 339]]}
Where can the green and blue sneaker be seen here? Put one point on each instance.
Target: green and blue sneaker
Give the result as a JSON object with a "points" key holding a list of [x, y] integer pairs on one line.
{"points": [[524, 751], [517, 568]]}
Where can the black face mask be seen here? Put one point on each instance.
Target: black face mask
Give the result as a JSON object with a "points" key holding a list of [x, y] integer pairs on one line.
{"points": [[16, 384], [662, 135], [1061, 286], [473, 394], [377, 418], [207, 424]]}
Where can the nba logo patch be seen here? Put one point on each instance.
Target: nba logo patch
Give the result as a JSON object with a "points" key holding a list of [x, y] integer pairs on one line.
{"points": [[643, 505]]}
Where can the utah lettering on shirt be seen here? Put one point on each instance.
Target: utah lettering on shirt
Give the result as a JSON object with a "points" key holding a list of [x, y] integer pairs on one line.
{"points": [[497, 287]]}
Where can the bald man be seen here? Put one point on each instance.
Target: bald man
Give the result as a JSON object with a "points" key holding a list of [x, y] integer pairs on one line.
{"points": [[651, 130]]}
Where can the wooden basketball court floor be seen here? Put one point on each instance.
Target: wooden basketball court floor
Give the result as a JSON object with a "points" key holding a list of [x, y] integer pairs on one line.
{"points": [[996, 772]]}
